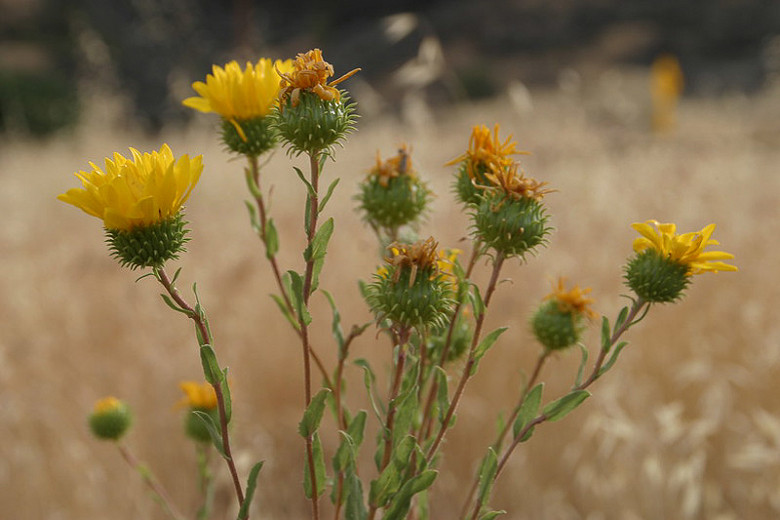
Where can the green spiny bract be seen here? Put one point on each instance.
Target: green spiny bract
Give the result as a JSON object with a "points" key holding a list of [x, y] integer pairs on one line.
{"points": [[424, 304], [401, 202], [149, 246], [655, 278], [465, 190], [510, 226], [555, 328], [111, 424], [314, 125], [260, 136]]}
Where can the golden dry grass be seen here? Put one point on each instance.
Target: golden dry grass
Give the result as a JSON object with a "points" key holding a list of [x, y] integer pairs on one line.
{"points": [[687, 426]]}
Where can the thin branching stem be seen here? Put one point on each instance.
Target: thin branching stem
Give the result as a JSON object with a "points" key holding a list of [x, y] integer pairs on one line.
{"points": [[151, 481]]}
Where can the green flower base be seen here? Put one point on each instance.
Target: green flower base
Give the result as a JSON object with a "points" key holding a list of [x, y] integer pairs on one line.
{"points": [[510, 226], [315, 125], [401, 202], [655, 278], [149, 246]]}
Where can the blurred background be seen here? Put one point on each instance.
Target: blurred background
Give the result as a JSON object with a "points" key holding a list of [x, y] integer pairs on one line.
{"points": [[688, 424]]}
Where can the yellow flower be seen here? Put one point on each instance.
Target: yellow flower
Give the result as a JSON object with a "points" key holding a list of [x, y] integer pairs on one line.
{"points": [[686, 249], [573, 301], [446, 265], [310, 72], [108, 404], [138, 192], [198, 395], [487, 152], [237, 95], [394, 167]]}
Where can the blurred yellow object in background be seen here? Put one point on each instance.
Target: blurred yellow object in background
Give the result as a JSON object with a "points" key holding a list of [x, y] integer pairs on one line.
{"points": [[666, 86]]}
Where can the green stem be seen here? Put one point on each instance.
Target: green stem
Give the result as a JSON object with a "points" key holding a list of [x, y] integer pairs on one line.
{"points": [[150, 480], [206, 482]]}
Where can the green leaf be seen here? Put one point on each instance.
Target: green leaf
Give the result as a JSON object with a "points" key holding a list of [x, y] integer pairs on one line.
{"points": [[490, 515], [484, 346], [335, 326], [227, 400], [388, 482], [211, 370], [559, 408], [442, 393], [214, 432], [309, 187], [528, 409], [296, 294], [318, 249], [285, 311], [528, 434], [350, 442], [368, 380], [319, 469], [618, 348], [251, 486], [355, 508], [327, 196], [313, 414], [621, 319], [271, 239], [253, 220], [605, 335], [169, 302], [407, 406], [477, 303], [402, 501], [487, 475], [583, 362]]}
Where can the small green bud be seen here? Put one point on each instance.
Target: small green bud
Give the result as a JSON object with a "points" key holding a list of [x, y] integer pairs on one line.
{"points": [[511, 226], [554, 328], [258, 136], [149, 246], [314, 124], [194, 427], [656, 278], [111, 419]]}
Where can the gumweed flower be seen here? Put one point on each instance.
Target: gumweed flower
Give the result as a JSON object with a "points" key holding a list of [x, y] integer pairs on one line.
{"points": [[510, 216], [486, 153], [110, 419], [198, 397], [392, 195], [410, 290], [244, 99], [560, 319], [140, 202], [313, 114], [664, 261]]}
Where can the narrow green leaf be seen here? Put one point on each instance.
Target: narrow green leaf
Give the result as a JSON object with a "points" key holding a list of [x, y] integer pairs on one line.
{"points": [[285, 311], [477, 303], [313, 414], [335, 326], [484, 345], [319, 246], [170, 303], [528, 409], [368, 380], [490, 515], [487, 475], [621, 319], [407, 406], [328, 194], [226, 395], [214, 431], [605, 335], [344, 459], [528, 434], [583, 362], [253, 220], [319, 469], [388, 482], [357, 427], [355, 508], [559, 408], [309, 187], [251, 486], [618, 348], [175, 276], [442, 393], [211, 370], [271, 239], [296, 284], [402, 501]]}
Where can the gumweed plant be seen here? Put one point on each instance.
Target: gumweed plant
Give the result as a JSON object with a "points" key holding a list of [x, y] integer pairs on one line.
{"points": [[426, 305]]}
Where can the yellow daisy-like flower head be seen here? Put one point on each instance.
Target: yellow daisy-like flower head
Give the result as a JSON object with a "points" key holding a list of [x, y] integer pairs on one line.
{"points": [[559, 321], [137, 192], [237, 94], [199, 396], [686, 249], [310, 72], [139, 201], [665, 261]]}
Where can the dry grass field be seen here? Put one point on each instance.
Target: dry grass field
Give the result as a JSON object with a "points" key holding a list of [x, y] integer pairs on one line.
{"points": [[686, 427]]}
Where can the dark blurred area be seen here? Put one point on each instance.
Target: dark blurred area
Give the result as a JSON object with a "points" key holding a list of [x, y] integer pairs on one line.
{"points": [[57, 56]]}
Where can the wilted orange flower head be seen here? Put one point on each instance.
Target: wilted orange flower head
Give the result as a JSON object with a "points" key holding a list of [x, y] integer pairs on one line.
{"points": [[422, 254], [310, 72], [393, 167], [574, 300], [513, 182], [486, 151]]}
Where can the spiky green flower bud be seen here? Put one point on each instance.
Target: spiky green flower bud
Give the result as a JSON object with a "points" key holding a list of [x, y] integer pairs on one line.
{"points": [[111, 419], [313, 124], [464, 186], [258, 136], [656, 278], [510, 226], [560, 320], [149, 246]]}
